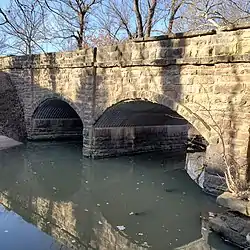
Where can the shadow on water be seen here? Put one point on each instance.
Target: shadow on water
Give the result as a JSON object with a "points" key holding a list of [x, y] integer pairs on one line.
{"points": [[80, 202]]}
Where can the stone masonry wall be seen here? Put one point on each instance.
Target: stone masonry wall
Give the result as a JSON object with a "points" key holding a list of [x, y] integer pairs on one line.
{"points": [[132, 140], [11, 112], [56, 129], [204, 77]]}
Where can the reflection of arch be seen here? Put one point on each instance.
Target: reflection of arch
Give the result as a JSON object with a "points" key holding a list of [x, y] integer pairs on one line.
{"points": [[153, 97], [55, 117]]}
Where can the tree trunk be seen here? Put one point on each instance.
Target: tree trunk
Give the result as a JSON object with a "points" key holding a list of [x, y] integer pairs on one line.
{"points": [[138, 19], [151, 12], [81, 30]]}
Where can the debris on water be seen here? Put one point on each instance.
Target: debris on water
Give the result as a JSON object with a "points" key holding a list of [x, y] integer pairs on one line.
{"points": [[131, 213], [142, 175], [179, 230], [17, 182], [121, 228], [98, 205], [145, 244], [137, 188], [153, 182], [86, 182], [54, 188], [140, 213], [211, 214], [121, 193], [99, 222], [34, 172], [140, 234], [6, 231], [141, 181], [170, 190], [138, 183], [176, 239], [162, 183], [183, 193], [107, 203], [138, 223], [86, 210]]}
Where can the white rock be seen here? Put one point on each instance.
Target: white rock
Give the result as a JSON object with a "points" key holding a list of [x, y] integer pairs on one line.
{"points": [[121, 228]]}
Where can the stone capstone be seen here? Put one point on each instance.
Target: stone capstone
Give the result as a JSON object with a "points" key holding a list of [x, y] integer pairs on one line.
{"points": [[233, 203]]}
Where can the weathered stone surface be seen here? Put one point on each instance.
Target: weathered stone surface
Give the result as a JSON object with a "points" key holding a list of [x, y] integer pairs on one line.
{"points": [[228, 200], [231, 226], [131, 140], [214, 183], [202, 79], [195, 167], [11, 111]]}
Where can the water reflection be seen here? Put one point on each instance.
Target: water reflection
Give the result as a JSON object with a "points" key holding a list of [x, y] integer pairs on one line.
{"points": [[82, 203]]}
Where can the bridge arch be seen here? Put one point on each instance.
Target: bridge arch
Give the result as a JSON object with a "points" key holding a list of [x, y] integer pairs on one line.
{"points": [[148, 121], [39, 101], [159, 99], [55, 117]]}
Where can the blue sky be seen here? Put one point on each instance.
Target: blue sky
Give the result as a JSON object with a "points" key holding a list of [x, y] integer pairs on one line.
{"points": [[3, 3]]}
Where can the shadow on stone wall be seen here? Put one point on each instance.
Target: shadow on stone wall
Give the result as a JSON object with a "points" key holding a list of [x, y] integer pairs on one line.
{"points": [[12, 122]]}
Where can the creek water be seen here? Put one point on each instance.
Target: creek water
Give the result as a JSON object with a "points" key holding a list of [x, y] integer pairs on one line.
{"points": [[54, 198]]}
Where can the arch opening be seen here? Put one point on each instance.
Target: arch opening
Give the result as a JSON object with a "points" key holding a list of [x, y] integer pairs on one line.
{"points": [[55, 119], [137, 126]]}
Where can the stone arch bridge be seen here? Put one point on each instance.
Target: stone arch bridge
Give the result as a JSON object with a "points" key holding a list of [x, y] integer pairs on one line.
{"points": [[130, 97]]}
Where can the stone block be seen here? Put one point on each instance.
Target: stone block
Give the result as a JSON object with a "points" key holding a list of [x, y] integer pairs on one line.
{"points": [[233, 203], [231, 227]]}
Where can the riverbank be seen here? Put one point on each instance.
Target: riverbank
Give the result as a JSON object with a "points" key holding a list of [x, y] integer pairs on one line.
{"points": [[232, 225], [6, 142]]}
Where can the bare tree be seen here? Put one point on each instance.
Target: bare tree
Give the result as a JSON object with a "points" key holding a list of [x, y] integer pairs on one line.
{"points": [[173, 7], [208, 14], [128, 19], [72, 19], [24, 25]]}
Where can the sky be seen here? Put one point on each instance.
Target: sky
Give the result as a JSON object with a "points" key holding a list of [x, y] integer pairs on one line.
{"points": [[3, 3]]}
